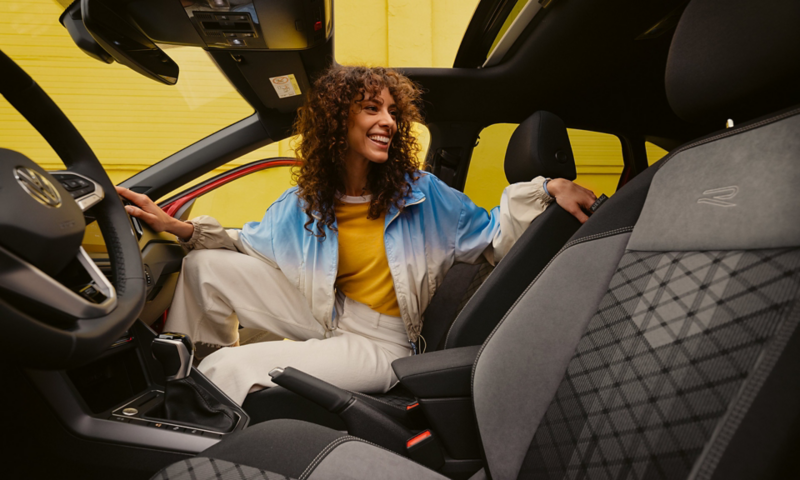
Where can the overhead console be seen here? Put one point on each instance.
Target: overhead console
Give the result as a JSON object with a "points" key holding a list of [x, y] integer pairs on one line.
{"points": [[261, 24], [128, 31]]}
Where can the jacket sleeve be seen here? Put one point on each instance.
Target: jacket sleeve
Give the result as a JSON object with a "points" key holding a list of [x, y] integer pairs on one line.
{"points": [[493, 235], [208, 233]]}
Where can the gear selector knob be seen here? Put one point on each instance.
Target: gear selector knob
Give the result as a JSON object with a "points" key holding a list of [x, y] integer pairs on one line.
{"points": [[175, 351]]}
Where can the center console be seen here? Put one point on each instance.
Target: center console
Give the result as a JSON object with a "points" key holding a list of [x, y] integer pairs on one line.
{"points": [[119, 398]]}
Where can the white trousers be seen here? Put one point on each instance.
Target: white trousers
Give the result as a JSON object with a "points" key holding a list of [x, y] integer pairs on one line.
{"points": [[218, 289]]}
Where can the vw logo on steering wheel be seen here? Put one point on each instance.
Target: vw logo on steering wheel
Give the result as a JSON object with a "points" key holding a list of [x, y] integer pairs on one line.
{"points": [[38, 186]]}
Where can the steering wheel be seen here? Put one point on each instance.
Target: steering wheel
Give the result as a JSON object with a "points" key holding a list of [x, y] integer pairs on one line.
{"points": [[45, 323]]}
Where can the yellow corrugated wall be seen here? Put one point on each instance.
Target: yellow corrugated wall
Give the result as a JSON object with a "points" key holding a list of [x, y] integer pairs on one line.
{"points": [[132, 122]]}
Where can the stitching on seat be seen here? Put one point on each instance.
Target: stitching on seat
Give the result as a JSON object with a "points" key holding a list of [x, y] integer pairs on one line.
{"points": [[331, 446], [610, 233], [324, 453], [597, 236]]}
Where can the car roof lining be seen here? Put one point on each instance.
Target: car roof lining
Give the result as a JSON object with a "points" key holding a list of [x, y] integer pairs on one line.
{"points": [[578, 59]]}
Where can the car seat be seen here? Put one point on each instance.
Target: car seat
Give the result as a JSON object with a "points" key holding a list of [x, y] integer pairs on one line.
{"points": [[473, 298], [538, 147], [662, 341]]}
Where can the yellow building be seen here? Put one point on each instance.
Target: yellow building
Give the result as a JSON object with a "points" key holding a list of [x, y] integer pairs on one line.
{"points": [[132, 122]]}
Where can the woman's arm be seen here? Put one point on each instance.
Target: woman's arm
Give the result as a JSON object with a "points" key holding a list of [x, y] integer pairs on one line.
{"points": [[197, 233], [520, 204]]}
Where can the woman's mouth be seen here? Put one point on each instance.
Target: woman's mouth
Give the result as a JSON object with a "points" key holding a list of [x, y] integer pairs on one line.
{"points": [[380, 140]]}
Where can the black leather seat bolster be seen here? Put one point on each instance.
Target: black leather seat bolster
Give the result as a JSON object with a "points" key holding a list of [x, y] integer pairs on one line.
{"points": [[446, 373]]}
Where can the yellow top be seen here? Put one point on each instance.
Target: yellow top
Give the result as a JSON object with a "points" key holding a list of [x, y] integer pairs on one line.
{"points": [[364, 274]]}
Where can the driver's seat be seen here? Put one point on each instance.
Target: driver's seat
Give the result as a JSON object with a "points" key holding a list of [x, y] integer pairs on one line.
{"points": [[680, 355]]}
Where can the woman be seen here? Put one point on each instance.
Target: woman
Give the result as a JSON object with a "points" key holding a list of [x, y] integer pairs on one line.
{"points": [[346, 262]]}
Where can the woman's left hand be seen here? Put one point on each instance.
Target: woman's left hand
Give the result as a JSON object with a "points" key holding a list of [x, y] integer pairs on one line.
{"points": [[571, 197]]}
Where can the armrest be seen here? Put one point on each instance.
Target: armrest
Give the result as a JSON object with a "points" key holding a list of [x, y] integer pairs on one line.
{"points": [[446, 373]]}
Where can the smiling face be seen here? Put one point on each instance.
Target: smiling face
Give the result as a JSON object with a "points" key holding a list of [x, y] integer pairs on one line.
{"points": [[371, 126]]}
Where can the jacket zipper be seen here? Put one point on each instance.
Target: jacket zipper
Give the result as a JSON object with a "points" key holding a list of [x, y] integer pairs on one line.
{"points": [[413, 345]]}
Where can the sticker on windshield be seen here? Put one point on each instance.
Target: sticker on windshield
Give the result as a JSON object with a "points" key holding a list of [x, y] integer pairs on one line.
{"points": [[285, 85]]}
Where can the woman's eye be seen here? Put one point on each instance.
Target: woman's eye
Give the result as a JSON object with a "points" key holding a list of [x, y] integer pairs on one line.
{"points": [[371, 108]]}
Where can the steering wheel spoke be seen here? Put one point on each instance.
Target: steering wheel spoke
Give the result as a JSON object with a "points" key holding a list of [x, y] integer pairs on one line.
{"points": [[85, 191], [27, 281]]}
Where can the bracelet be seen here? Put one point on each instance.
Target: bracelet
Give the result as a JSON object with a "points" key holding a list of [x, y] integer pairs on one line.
{"points": [[544, 187]]}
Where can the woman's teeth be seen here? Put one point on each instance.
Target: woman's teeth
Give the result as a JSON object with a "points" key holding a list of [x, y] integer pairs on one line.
{"points": [[379, 139]]}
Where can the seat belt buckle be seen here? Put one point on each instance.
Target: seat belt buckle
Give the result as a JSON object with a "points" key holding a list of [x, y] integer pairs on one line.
{"points": [[425, 450], [415, 417]]}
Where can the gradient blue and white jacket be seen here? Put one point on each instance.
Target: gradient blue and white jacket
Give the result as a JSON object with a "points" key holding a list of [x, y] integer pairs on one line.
{"points": [[437, 227]]}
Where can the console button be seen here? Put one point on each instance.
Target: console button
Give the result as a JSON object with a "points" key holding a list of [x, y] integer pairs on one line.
{"points": [[194, 431], [120, 419], [158, 425], [175, 428]]}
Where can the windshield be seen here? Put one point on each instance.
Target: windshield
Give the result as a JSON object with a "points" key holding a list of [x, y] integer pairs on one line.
{"points": [[130, 122]]}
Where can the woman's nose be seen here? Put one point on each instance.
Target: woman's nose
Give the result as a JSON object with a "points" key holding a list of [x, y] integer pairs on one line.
{"points": [[387, 119]]}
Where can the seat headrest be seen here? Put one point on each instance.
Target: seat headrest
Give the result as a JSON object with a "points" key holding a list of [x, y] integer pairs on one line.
{"points": [[734, 59], [539, 147]]}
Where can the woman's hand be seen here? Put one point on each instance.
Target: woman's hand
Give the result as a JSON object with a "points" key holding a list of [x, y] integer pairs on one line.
{"points": [[571, 197], [152, 214]]}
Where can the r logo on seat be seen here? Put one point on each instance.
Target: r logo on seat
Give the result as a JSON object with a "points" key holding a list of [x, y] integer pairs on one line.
{"points": [[719, 196]]}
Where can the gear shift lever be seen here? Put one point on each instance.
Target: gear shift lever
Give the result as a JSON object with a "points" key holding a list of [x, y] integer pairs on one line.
{"points": [[185, 400], [175, 352]]}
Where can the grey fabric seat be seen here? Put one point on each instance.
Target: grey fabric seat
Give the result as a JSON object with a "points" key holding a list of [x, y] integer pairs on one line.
{"points": [[662, 341]]}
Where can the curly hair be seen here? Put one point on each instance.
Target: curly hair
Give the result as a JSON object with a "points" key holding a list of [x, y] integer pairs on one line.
{"points": [[322, 124]]}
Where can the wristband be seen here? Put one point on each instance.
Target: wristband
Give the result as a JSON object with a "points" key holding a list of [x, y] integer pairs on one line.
{"points": [[544, 187]]}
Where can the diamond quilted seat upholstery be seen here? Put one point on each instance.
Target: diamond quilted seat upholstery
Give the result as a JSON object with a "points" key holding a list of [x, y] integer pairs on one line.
{"points": [[689, 328], [201, 468]]}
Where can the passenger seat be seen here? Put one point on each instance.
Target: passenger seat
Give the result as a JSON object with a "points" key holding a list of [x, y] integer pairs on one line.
{"points": [[473, 298]]}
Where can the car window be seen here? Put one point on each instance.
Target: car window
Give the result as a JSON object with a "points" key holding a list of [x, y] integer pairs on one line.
{"points": [[244, 199], [654, 153], [399, 33], [130, 121], [598, 158]]}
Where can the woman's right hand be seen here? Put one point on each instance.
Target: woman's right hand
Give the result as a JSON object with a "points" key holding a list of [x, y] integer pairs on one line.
{"points": [[147, 211]]}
